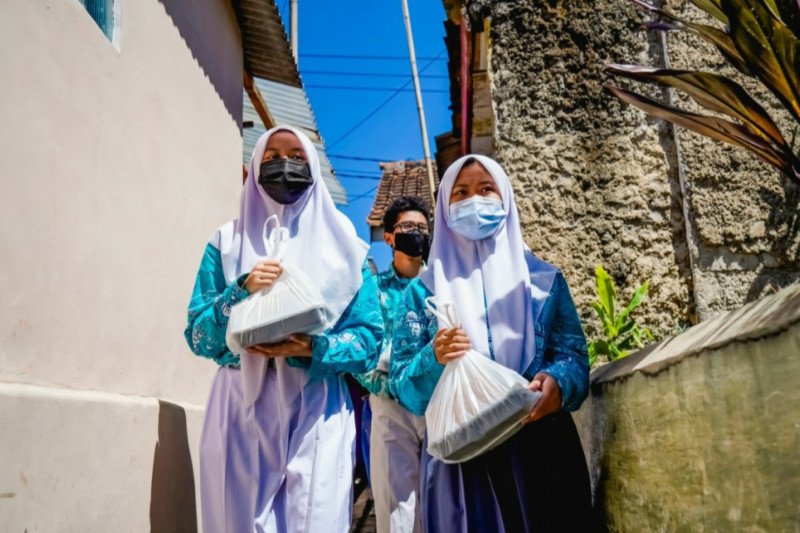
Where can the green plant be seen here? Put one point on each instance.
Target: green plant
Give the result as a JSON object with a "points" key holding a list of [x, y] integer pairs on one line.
{"points": [[621, 333], [761, 39]]}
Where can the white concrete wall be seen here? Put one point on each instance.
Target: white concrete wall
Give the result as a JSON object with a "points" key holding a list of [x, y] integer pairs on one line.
{"points": [[117, 162]]}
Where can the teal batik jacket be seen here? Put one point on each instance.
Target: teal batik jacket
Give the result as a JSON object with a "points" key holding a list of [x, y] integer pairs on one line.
{"points": [[350, 346], [560, 343], [391, 286]]}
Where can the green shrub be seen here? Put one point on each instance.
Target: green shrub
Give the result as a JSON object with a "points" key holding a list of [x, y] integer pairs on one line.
{"points": [[621, 333]]}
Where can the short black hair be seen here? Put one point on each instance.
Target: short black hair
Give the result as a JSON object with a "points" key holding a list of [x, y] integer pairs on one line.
{"points": [[401, 205]]}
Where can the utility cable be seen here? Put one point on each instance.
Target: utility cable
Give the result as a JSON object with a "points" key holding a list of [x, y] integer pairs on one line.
{"points": [[369, 57], [371, 89], [381, 105], [363, 195], [370, 74]]}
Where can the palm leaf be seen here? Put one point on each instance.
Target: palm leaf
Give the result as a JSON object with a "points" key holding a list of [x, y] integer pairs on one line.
{"points": [[716, 128], [789, 11], [768, 47], [712, 7], [721, 40], [715, 93]]}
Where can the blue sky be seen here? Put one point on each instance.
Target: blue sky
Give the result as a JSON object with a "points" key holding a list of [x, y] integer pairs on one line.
{"points": [[371, 28]]}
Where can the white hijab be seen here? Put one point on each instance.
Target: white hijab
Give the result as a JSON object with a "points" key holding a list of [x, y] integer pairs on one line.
{"points": [[323, 242], [463, 271]]}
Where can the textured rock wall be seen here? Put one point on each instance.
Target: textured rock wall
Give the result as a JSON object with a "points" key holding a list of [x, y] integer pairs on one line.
{"points": [[745, 215], [592, 179], [600, 182]]}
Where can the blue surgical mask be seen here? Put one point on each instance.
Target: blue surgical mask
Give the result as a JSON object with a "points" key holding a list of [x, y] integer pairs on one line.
{"points": [[476, 217]]}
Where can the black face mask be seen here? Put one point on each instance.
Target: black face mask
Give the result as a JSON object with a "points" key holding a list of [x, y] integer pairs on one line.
{"points": [[412, 244], [285, 180]]}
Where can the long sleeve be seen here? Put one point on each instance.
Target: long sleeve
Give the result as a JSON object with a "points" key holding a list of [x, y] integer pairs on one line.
{"points": [[390, 291], [352, 345], [376, 381], [565, 355], [210, 308], [414, 370]]}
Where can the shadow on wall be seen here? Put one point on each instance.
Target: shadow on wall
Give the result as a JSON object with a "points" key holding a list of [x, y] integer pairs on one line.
{"points": [[784, 213], [199, 26], [172, 502]]}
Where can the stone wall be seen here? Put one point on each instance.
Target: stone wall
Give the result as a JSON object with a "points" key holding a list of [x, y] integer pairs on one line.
{"points": [[745, 224], [700, 432], [600, 182]]}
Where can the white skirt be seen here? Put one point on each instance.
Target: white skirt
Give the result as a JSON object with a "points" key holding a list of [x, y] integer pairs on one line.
{"points": [[283, 465]]}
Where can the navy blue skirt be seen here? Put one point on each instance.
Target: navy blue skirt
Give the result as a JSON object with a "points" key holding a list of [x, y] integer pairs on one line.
{"points": [[535, 481]]}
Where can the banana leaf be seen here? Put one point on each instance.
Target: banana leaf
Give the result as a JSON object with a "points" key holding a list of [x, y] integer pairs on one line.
{"points": [[713, 127], [636, 300], [609, 329], [715, 93], [606, 292], [592, 349]]}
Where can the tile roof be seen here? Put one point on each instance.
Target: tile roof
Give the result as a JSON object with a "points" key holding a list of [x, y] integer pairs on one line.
{"points": [[400, 178]]}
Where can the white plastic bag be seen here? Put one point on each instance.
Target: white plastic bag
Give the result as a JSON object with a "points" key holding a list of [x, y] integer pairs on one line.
{"points": [[292, 304], [477, 403]]}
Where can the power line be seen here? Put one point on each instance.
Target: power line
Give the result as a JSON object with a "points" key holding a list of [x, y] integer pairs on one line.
{"points": [[370, 74], [356, 177], [381, 105], [370, 57], [355, 158], [359, 171], [363, 195], [371, 89]]}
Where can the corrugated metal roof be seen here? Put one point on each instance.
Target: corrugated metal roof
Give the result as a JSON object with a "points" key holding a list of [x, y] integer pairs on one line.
{"points": [[267, 53], [289, 105]]}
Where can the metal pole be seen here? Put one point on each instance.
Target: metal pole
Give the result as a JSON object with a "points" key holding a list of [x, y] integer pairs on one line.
{"points": [[418, 92], [466, 84], [293, 29]]}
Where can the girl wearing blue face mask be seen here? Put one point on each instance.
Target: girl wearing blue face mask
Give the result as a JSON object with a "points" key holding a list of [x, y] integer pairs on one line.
{"points": [[516, 309]]}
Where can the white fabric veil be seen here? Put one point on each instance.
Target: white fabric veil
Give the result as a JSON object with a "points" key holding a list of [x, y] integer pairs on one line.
{"points": [[463, 272]]}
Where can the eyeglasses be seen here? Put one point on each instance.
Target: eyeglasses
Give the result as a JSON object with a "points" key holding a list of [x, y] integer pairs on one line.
{"points": [[411, 227]]}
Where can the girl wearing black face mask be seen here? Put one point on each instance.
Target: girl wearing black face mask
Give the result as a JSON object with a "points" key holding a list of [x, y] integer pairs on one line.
{"points": [[270, 436], [285, 180]]}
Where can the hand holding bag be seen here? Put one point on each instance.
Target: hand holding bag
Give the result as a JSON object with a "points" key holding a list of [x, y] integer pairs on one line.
{"points": [[292, 304], [477, 403]]}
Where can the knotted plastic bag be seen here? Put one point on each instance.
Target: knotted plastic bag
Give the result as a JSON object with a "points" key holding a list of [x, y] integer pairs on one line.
{"points": [[292, 304], [477, 403]]}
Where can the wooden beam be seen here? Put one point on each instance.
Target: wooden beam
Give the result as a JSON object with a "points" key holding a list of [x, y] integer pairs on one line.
{"points": [[258, 101]]}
